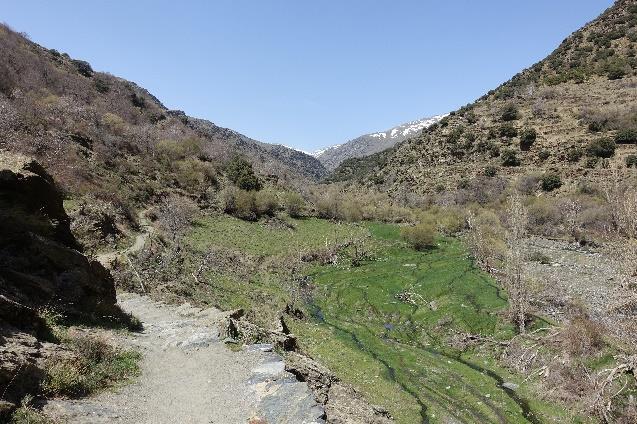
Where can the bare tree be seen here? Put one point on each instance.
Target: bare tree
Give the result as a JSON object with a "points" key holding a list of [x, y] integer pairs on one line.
{"points": [[519, 303], [175, 215]]}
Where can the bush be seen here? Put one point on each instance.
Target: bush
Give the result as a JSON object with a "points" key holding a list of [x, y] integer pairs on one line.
{"points": [[631, 161], [83, 67], [137, 100], [420, 237], [240, 172], [102, 85], [544, 154], [509, 113], [626, 136], [550, 182], [351, 210], [244, 205], [615, 71], [266, 203], [490, 171], [595, 126], [294, 204], [527, 138], [328, 205], [471, 117], [527, 184], [508, 130], [96, 366], [591, 162], [574, 154], [510, 158], [540, 257], [602, 148]]}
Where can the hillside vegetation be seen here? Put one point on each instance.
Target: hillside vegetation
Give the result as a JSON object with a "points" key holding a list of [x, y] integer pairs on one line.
{"points": [[101, 135], [574, 115]]}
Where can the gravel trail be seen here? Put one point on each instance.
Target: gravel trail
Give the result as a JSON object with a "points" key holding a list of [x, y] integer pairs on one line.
{"points": [[190, 376]]}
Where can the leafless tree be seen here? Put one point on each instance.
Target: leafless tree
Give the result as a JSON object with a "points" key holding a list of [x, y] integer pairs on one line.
{"points": [[519, 303]]}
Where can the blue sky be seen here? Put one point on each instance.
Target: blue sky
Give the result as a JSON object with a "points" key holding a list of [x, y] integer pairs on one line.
{"points": [[306, 73]]}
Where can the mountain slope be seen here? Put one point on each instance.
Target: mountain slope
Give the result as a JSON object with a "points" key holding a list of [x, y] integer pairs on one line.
{"points": [[102, 135], [572, 115], [369, 144]]}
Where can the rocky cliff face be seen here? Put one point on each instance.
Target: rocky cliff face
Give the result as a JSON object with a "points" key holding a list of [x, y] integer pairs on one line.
{"points": [[41, 269]]}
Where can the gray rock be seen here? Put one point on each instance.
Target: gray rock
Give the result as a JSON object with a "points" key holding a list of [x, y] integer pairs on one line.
{"points": [[260, 347], [510, 386]]}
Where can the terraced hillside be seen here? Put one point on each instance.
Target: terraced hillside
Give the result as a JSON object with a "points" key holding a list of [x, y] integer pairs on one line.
{"points": [[573, 114]]}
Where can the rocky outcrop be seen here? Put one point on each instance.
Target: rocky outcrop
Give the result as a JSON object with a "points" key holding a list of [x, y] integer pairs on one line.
{"points": [[41, 268], [343, 404]]}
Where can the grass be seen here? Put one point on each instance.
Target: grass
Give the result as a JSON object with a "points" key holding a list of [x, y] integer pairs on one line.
{"points": [[26, 414], [258, 239], [383, 326], [90, 363], [266, 253], [94, 367]]}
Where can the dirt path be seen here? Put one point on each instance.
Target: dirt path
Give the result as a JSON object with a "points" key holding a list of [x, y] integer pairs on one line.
{"points": [[147, 228], [190, 376]]}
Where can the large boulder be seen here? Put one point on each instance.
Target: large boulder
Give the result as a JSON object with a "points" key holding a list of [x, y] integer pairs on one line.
{"points": [[41, 264], [41, 268]]}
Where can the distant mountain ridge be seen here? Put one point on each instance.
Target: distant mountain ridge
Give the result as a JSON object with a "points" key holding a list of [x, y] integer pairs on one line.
{"points": [[369, 144]]}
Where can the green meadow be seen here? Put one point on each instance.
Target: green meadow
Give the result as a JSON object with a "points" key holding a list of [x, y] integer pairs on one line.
{"points": [[384, 325]]}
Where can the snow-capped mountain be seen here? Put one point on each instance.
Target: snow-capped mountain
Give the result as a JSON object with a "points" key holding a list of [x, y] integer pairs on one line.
{"points": [[368, 144]]}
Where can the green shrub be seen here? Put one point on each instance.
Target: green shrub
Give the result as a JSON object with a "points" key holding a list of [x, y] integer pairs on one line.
{"points": [[544, 154], [626, 136], [420, 237], [615, 71], [471, 117], [510, 158], [602, 148], [550, 182], [527, 138], [101, 85], [96, 366], [540, 257], [351, 210], [294, 204], [137, 100], [83, 67], [266, 203], [328, 205], [240, 172], [245, 205], [591, 162], [631, 161], [574, 154], [169, 151], [463, 183], [26, 414], [490, 171], [508, 130], [595, 126], [455, 134], [509, 113]]}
